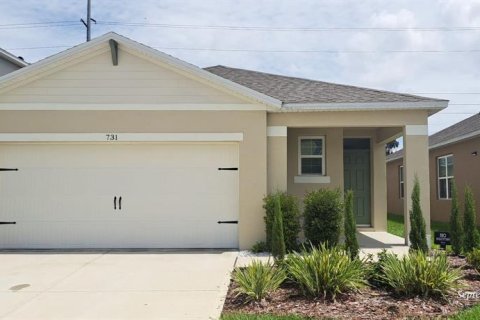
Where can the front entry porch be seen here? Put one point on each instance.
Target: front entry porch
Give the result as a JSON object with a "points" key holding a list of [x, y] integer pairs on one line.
{"points": [[374, 242], [302, 159]]}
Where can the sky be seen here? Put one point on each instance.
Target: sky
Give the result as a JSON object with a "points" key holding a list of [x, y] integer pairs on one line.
{"points": [[426, 47]]}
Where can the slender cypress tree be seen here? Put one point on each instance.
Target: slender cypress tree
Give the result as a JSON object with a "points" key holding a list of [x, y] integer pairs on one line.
{"points": [[471, 233], [456, 228], [351, 242], [278, 240], [418, 234]]}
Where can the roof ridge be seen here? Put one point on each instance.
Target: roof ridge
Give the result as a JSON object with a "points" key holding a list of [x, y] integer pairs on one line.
{"points": [[325, 82]]}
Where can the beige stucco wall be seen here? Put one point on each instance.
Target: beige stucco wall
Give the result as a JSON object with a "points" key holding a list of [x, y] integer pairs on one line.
{"points": [[333, 160], [277, 163], [395, 203], [375, 118], [253, 149], [333, 165]]}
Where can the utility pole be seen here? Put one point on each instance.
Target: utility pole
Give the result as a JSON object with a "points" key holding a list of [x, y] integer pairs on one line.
{"points": [[88, 24]]}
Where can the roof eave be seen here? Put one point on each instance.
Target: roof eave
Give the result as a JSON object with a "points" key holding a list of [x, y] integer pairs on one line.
{"points": [[13, 59], [432, 106]]}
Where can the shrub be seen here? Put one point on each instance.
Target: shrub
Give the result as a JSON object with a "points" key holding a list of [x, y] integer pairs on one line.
{"points": [[471, 240], [260, 246], [418, 235], [325, 272], [323, 216], [419, 274], [278, 242], [290, 215], [473, 258], [350, 227], [375, 270], [456, 230], [258, 280]]}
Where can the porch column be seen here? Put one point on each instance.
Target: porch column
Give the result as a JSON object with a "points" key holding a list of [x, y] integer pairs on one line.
{"points": [[379, 187], [276, 158], [416, 163]]}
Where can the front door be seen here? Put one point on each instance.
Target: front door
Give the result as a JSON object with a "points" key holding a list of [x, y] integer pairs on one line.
{"points": [[356, 164]]}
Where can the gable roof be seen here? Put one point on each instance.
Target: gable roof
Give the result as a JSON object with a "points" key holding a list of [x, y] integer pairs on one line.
{"points": [[299, 92], [35, 70], [12, 58], [463, 130]]}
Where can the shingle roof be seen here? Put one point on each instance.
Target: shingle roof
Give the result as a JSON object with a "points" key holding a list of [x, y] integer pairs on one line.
{"points": [[298, 90], [457, 132]]}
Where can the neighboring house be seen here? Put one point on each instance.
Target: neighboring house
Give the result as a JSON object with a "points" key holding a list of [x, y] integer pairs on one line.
{"points": [[454, 154], [9, 62], [112, 144]]}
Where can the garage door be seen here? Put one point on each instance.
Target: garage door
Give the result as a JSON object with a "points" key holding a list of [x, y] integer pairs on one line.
{"points": [[156, 195]]}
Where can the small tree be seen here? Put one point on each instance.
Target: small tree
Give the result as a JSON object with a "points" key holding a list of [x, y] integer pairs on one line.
{"points": [[456, 229], [290, 218], [351, 243], [323, 216], [418, 234], [278, 241], [471, 233]]}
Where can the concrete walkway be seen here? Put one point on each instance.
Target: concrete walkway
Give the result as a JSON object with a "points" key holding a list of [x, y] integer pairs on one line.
{"points": [[375, 242], [114, 285], [370, 243]]}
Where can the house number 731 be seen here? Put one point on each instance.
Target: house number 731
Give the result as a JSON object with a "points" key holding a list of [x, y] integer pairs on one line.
{"points": [[111, 137]]}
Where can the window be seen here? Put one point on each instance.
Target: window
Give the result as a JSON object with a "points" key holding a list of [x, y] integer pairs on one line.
{"points": [[400, 179], [311, 153], [445, 176]]}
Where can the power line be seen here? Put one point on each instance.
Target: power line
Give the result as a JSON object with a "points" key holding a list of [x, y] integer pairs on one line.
{"points": [[36, 23], [248, 28], [265, 28], [282, 51]]}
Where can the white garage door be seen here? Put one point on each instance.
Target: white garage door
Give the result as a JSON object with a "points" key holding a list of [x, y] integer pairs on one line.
{"points": [[118, 196]]}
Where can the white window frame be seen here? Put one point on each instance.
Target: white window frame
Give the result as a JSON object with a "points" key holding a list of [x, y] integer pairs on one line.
{"points": [[447, 177], [299, 146], [401, 181]]}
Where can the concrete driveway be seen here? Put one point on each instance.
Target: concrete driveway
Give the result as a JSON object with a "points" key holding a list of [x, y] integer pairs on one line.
{"points": [[114, 285]]}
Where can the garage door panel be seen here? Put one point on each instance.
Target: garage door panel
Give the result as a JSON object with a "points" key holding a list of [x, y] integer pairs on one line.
{"points": [[172, 196]]}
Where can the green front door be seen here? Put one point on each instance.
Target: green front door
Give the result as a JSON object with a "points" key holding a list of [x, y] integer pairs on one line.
{"points": [[356, 161]]}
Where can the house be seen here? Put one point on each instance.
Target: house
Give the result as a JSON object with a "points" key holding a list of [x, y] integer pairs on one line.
{"points": [[453, 154], [9, 62], [112, 144]]}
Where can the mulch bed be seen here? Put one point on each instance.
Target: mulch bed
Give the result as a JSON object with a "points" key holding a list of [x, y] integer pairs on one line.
{"points": [[370, 303]]}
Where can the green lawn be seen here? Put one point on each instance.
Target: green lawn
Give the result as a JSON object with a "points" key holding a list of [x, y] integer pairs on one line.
{"points": [[395, 225], [260, 317], [469, 314]]}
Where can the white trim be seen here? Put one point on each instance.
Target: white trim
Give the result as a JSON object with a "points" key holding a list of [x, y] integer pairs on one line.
{"points": [[446, 177], [416, 130], [311, 179], [121, 106], [12, 58], [299, 152], [362, 106], [401, 182], [102, 42], [464, 137], [277, 131], [120, 137]]}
